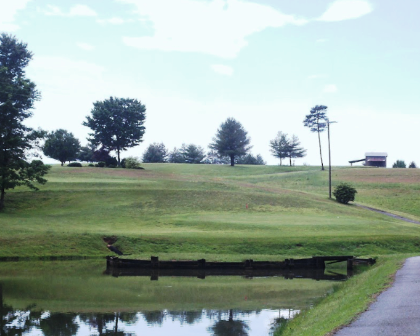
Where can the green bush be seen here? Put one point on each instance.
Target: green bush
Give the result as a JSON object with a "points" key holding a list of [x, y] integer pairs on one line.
{"points": [[412, 165], [111, 166], [132, 163], [101, 164], [74, 164], [344, 193], [91, 165], [399, 164]]}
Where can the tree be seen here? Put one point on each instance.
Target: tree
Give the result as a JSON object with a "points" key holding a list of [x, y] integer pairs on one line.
{"points": [[279, 146], [316, 121], [17, 97], [86, 153], [399, 164], [62, 146], [192, 153], [175, 156], [250, 159], [231, 140], [344, 193], [117, 123], [156, 152], [412, 165], [213, 157], [294, 149]]}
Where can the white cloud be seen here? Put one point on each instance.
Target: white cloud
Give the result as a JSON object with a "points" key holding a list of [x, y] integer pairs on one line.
{"points": [[216, 27], [222, 69], [85, 46], [346, 9], [77, 10], [114, 21], [8, 12], [321, 40], [330, 88], [82, 10]]}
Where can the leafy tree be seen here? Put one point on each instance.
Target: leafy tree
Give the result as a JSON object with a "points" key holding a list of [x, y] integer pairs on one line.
{"points": [[316, 121], [192, 153], [156, 152], [399, 164], [17, 97], [249, 159], [412, 165], [231, 140], [86, 153], [279, 146], [176, 156], [294, 149], [344, 193], [62, 146], [117, 123]]}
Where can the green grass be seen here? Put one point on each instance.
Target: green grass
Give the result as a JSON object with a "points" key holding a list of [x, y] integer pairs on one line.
{"points": [[179, 211], [346, 301], [206, 210]]}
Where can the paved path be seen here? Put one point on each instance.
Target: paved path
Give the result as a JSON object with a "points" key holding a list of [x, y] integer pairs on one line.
{"points": [[396, 311], [388, 214]]}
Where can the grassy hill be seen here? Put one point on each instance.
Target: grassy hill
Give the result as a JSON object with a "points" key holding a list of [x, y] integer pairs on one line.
{"points": [[212, 211]]}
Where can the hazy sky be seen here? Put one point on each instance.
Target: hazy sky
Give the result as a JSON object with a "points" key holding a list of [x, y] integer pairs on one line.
{"points": [[194, 63]]}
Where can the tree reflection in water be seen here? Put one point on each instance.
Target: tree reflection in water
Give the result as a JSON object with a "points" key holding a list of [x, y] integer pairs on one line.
{"points": [[229, 327], [100, 322], [59, 324], [22, 322]]}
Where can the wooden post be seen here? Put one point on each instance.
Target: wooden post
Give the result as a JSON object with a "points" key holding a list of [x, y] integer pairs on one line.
{"points": [[349, 264], [201, 263], [154, 261]]}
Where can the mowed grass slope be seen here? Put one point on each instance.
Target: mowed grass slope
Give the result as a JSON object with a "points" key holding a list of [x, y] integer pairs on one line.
{"points": [[212, 211]]}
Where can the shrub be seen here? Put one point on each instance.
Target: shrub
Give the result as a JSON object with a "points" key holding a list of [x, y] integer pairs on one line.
{"points": [[101, 164], [74, 164], [91, 165], [412, 165], [111, 161], [399, 164], [123, 163], [132, 163], [344, 193]]}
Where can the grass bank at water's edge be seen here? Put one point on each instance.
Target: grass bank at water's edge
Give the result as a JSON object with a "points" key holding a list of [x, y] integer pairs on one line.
{"points": [[346, 302]]}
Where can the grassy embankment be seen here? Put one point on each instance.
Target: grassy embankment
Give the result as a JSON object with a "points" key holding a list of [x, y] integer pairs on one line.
{"points": [[190, 211]]}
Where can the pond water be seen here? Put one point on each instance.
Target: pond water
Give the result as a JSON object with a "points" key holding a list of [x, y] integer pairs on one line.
{"points": [[65, 298]]}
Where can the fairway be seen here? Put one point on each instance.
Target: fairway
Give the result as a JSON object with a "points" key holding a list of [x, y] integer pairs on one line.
{"points": [[213, 211]]}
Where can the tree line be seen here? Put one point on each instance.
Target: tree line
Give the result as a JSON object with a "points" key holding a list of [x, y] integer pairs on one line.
{"points": [[116, 124]]}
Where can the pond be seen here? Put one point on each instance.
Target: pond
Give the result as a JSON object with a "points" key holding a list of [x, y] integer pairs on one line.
{"points": [[83, 298]]}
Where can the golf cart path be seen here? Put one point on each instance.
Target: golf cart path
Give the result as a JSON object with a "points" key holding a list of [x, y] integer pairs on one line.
{"points": [[387, 214], [396, 310]]}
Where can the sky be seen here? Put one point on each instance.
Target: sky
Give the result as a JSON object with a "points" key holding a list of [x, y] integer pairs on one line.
{"points": [[195, 63]]}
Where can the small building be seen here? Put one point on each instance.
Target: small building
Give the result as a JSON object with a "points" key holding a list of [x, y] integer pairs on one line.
{"points": [[375, 159]]}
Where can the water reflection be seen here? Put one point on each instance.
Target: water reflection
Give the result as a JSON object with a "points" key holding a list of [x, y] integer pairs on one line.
{"points": [[205, 322], [76, 298]]}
